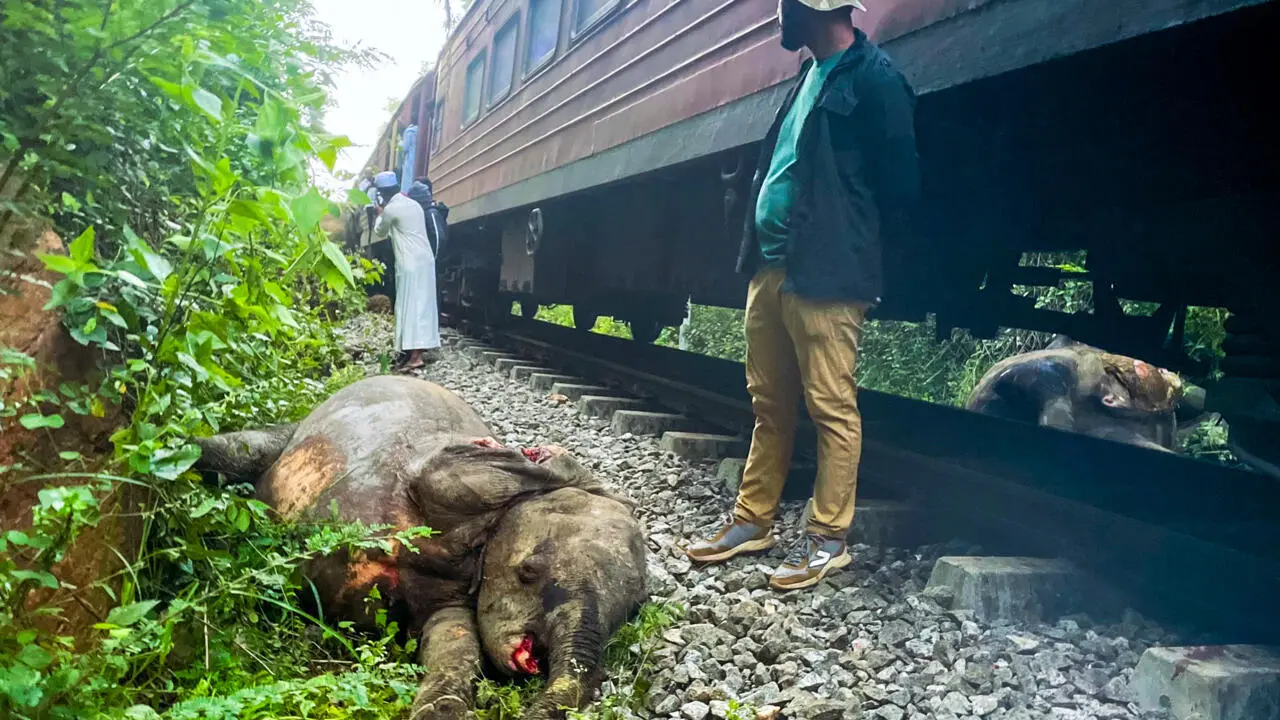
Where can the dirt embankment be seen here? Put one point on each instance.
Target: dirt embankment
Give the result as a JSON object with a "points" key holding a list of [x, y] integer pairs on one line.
{"points": [[25, 288]]}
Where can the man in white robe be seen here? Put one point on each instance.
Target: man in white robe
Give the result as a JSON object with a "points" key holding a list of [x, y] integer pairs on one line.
{"points": [[417, 314]]}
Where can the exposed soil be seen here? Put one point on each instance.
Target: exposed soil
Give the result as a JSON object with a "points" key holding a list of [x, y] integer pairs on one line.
{"points": [[25, 288]]}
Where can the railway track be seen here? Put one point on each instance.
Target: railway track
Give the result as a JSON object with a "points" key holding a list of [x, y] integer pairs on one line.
{"points": [[1188, 543]]}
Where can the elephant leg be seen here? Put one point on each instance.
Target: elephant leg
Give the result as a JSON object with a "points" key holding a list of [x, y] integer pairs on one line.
{"points": [[451, 655], [243, 456], [1059, 413]]}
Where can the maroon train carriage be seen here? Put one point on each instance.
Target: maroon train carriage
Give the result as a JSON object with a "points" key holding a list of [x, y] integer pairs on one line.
{"points": [[597, 153]]}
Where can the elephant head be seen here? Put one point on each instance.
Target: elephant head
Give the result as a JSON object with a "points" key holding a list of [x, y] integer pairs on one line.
{"points": [[561, 574]]}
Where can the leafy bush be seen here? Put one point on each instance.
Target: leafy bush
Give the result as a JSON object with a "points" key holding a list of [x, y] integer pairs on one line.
{"points": [[174, 140]]}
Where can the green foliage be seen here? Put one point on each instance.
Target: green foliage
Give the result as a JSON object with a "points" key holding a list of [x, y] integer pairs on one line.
{"points": [[627, 656], [1206, 329], [378, 692], [554, 314], [714, 331], [101, 104], [606, 325], [505, 701], [563, 315], [174, 140], [905, 359]]}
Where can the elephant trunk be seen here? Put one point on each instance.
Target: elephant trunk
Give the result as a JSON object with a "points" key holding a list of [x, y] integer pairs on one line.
{"points": [[576, 654]]}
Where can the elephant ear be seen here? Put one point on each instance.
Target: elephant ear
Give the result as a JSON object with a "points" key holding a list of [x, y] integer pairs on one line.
{"points": [[469, 480], [567, 471]]}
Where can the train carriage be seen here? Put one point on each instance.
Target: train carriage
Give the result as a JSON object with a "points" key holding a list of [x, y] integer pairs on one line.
{"points": [[597, 153]]}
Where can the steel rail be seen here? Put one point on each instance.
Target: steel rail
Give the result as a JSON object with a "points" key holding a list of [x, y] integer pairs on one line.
{"points": [[1188, 542]]}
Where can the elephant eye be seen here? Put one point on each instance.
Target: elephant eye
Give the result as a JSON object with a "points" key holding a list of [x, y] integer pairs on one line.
{"points": [[1118, 399], [532, 569]]}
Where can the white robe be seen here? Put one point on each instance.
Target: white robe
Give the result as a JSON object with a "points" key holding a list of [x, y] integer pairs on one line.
{"points": [[417, 313]]}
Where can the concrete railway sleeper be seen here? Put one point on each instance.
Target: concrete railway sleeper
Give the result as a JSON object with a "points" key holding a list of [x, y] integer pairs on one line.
{"points": [[1222, 680]]}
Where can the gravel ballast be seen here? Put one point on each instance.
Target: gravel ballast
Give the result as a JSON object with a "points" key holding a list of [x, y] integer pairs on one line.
{"points": [[865, 643]]}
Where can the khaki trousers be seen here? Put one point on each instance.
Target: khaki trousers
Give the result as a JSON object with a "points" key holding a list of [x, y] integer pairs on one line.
{"points": [[798, 347]]}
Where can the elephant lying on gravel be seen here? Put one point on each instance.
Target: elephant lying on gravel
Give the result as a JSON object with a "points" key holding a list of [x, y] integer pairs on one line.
{"points": [[1077, 387], [532, 559]]}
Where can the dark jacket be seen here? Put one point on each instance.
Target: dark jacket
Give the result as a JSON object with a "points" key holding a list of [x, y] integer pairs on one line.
{"points": [[436, 215], [858, 176]]}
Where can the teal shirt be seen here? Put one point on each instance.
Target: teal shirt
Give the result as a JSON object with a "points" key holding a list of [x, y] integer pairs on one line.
{"points": [[778, 193]]}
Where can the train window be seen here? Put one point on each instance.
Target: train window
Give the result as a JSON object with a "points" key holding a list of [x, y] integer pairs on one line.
{"points": [[587, 13], [504, 60], [471, 92], [544, 33]]}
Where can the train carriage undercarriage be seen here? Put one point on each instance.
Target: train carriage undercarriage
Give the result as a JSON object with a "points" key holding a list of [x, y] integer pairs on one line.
{"points": [[1154, 155]]}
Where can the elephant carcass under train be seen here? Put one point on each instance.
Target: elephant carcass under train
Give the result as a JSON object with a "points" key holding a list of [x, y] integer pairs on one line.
{"points": [[1079, 388]]}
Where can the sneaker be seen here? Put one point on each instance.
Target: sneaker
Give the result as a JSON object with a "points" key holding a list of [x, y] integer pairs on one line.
{"points": [[734, 538], [810, 561]]}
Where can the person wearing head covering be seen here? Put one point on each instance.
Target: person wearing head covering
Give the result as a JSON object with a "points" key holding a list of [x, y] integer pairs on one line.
{"points": [[417, 315], [834, 187], [420, 192]]}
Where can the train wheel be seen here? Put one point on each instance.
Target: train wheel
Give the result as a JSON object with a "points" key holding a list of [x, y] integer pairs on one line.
{"points": [[645, 330], [1249, 396], [496, 311]]}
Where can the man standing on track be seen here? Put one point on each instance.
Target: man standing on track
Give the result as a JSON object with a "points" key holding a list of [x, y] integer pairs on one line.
{"points": [[836, 181], [417, 315]]}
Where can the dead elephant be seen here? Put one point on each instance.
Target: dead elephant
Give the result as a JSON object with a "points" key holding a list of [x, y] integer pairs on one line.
{"points": [[1076, 387], [556, 562]]}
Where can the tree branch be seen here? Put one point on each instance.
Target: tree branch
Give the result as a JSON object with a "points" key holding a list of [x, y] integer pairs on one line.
{"points": [[177, 10]]}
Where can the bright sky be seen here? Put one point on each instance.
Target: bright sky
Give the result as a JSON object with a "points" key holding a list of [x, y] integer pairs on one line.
{"points": [[410, 31]]}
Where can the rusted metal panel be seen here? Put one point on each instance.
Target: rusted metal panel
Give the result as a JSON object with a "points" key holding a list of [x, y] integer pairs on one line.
{"points": [[549, 122], [711, 132], [518, 271], [729, 79], [666, 60], [543, 268]]}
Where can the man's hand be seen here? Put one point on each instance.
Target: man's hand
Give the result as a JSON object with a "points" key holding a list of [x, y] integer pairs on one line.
{"points": [[380, 209]]}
